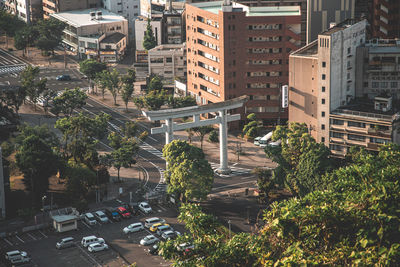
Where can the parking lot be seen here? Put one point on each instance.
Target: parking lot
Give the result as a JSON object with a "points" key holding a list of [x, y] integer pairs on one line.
{"points": [[123, 248]]}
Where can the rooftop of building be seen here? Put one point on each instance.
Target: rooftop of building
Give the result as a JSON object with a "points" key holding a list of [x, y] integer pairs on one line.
{"points": [[168, 47], [310, 50], [383, 46], [365, 107], [83, 18], [154, 17], [341, 26], [268, 11], [113, 38]]}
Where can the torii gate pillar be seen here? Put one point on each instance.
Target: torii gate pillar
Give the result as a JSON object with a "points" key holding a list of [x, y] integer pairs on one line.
{"points": [[222, 119]]}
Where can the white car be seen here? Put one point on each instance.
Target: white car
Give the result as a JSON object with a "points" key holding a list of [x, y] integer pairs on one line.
{"points": [[101, 216], [90, 219], [148, 240], [134, 227], [167, 235], [15, 254], [97, 247], [145, 207]]}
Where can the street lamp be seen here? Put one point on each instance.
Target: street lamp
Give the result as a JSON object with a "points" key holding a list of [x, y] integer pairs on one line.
{"points": [[229, 223], [43, 199]]}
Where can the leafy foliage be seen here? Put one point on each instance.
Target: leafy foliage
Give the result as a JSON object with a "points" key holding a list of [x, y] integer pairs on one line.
{"points": [[50, 33], [252, 128], [126, 94], [32, 87], [202, 131], [69, 100], [189, 175], [301, 159], [181, 102], [91, 68], [125, 149], [155, 84], [213, 137], [110, 80]]}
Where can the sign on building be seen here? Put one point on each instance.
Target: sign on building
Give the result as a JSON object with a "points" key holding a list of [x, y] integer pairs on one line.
{"points": [[285, 96]]}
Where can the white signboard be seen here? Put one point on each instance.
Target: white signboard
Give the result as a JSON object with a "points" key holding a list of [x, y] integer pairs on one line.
{"points": [[285, 96]]}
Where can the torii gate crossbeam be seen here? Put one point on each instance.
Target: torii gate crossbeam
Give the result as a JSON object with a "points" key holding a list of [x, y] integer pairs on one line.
{"points": [[222, 119]]}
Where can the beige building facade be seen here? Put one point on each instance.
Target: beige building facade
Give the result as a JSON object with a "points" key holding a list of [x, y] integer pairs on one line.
{"points": [[168, 61]]}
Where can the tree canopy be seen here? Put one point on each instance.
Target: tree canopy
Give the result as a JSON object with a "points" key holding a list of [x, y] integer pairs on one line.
{"points": [[189, 175], [69, 100], [149, 40]]}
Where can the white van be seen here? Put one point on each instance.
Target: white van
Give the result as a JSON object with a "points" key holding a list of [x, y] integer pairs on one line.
{"points": [[276, 143], [15, 255], [150, 221], [90, 219], [264, 140], [134, 227], [87, 240], [65, 243]]}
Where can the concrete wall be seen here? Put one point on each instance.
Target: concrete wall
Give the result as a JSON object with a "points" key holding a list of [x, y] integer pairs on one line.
{"points": [[140, 28]]}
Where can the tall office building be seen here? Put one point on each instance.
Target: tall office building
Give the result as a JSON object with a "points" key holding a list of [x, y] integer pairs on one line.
{"points": [[56, 6], [235, 50]]}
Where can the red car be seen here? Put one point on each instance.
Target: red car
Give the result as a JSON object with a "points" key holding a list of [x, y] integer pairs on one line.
{"points": [[123, 212]]}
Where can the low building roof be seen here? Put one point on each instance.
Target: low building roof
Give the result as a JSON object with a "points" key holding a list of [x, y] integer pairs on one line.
{"points": [[113, 38], [82, 17], [64, 218]]}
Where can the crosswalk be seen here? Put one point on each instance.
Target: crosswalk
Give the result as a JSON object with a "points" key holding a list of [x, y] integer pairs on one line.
{"points": [[152, 150], [235, 171], [12, 69]]}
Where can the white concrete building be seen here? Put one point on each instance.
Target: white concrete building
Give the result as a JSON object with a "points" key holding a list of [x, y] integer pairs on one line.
{"points": [[87, 28], [26, 10], [168, 61], [130, 9], [140, 28]]}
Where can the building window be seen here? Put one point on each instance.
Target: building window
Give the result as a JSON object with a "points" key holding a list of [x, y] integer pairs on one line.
{"points": [[365, 84], [337, 135], [323, 76], [384, 84], [322, 126], [268, 97], [375, 84], [337, 122], [323, 64], [378, 140], [349, 50], [356, 124], [393, 84], [355, 137], [336, 147], [323, 101], [322, 139], [323, 114], [323, 89]]}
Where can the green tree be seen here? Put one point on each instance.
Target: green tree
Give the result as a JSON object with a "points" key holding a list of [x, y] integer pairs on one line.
{"points": [[10, 24], [13, 98], [213, 137], [181, 102], [202, 131], [69, 100], [48, 94], [25, 37], [155, 84], [252, 128], [126, 94], [43, 132], [154, 100], [80, 135], [149, 40], [33, 88], [79, 181], [50, 32], [129, 77], [301, 160], [265, 182], [110, 81], [189, 175], [91, 68], [37, 161], [139, 102], [123, 154], [130, 129]]}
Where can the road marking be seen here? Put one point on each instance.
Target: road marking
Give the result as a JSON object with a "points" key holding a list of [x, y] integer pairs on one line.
{"points": [[11, 244], [216, 188], [248, 177], [234, 164], [152, 138], [88, 255], [119, 121], [31, 236], [42, 233], [90, 105], [164, 209], [20, 239], [86, 225]]}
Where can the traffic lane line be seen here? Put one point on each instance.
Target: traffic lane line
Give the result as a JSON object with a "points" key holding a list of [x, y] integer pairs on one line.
{"points": [[31, 236], [8, 242], [42, 234], [86, 225], [19, 239]]}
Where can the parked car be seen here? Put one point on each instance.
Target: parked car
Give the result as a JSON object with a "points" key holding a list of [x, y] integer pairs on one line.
{"points": [[123, 212], [63, 77], [150, 221], [101, 216], [113, 214], [97, 247], [155, 226], [15, 254], [22, 259], [153, 250], [90, 219], [265, 139], [161, 229], [170, 235], [145, 207], [65, 243], [148, 240], [257, 140], [88, 240], [134, 227], [185, 248]]}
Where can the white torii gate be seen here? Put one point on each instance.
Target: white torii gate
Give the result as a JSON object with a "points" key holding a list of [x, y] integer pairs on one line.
{"points": [[222, 119]]}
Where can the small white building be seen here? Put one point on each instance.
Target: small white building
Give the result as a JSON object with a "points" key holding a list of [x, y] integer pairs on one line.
{"points": [[86, 29], [64, 223], [168, 61], [129, 9]]}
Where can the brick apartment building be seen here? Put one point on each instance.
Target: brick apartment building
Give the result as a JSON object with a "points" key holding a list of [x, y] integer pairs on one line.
{"points": [[235, 50], [385, 19], [56, 6]]}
